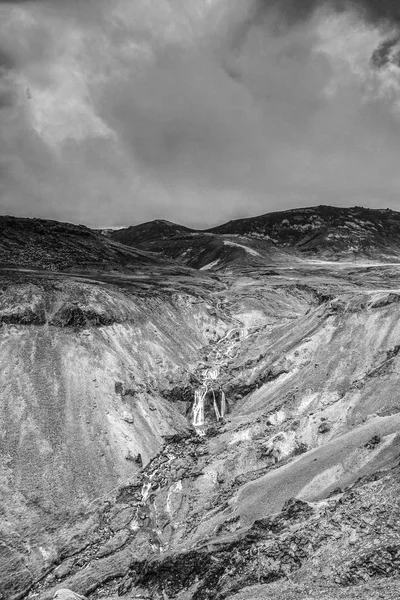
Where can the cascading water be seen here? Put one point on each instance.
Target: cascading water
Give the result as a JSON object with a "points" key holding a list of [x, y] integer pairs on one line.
{"points": [[208, 390], [203, 394]]}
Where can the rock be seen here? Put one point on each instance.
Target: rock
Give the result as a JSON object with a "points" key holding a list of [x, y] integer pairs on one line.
{"points": [[115, 543], [12, 562], [373, 442], [65, 594], [177, 437], [300, 448], [125, 586], [65, 568], [385, 300], [136, 459], [123, 390], [119, 519], [295, 507], [128, 492], [324, 427]]}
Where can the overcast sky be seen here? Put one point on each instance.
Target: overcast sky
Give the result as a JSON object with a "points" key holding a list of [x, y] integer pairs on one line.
{"points": [[114, 112]]}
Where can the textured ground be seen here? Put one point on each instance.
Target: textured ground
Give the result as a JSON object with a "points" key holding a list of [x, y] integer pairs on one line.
{"points": [[87, 366], [314, 388], [296, 495]]}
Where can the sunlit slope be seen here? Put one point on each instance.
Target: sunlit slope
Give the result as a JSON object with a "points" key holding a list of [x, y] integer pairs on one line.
{"points": [[332, 387], [314, 405], [331, 467], [86, 368], [309, 362]]}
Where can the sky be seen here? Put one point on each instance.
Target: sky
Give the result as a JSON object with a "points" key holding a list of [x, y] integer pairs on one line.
{"points": [[116, 112]]}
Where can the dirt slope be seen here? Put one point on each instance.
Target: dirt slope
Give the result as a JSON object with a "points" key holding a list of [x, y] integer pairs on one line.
{"points": [[86, 370], [296, 492], [311, 377]]}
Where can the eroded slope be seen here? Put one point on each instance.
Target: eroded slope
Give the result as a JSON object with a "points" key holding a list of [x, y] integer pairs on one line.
{"points": [[300, 482], [87, 367]]}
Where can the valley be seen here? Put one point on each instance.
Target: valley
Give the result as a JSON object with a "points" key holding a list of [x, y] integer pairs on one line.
{"points": [[108, 488]]}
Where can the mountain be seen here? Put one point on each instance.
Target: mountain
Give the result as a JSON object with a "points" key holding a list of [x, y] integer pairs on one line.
{"points": [[159, 230], [119, 478], [50, 245], [326, 231], [323, 232]]}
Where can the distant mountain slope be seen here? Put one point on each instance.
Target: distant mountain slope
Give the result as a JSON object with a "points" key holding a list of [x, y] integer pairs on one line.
{"points": [[199, 249], [145, 233], [40, 243], [327, 231], [323, 232], [206, 251]]}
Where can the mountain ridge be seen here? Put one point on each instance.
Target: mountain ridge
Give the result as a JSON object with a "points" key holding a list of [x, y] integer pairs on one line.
{"points": [[323, 231]]}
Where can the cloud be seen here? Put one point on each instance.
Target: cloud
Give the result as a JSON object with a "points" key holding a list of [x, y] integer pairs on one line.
{"points": [[195, 110], [185, 117], [294, 11]]}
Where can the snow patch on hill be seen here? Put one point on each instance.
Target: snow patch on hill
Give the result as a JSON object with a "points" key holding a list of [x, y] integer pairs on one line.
{"points": [[210, 265], [245, 248]]}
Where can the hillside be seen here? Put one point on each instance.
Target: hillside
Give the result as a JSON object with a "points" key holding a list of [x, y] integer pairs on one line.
{"points": [[326, 231], [109, 487], [323, 232], [50, 245], [140, 235]]}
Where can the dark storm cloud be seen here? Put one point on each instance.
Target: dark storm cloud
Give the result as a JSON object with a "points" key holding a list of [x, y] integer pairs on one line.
{"points": [[378, 10], [7, 95], [279, 15], [300, 10], [7, 61], [388, 52]]}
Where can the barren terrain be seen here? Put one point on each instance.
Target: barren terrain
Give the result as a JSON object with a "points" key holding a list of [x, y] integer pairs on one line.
{"points": [[107, 489]]}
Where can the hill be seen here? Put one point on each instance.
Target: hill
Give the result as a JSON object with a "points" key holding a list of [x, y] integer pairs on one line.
{"points": [[325, 231], [50, 245], [109, 485], [141, 235]]}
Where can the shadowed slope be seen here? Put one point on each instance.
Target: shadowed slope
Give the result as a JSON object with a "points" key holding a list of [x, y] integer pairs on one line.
{"points": [[39, 243]]}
